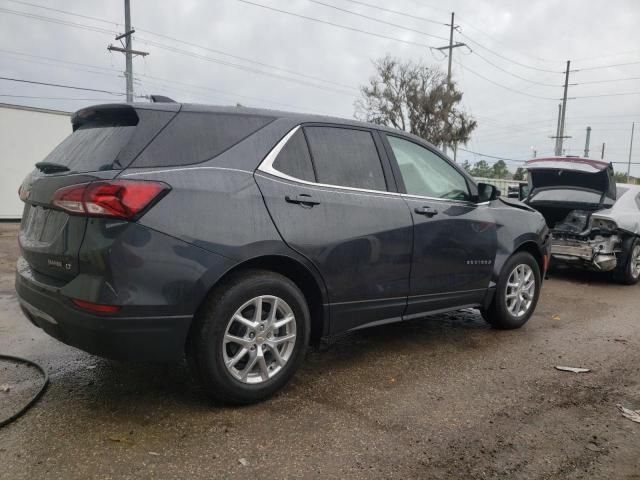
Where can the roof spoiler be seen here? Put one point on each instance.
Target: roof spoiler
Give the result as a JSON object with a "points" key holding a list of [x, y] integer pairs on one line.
{"points": [[114, 114]]}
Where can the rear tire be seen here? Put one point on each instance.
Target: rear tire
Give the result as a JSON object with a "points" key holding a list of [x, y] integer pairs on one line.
{"points": [[515, 299], [242, 357], [628, 272]]}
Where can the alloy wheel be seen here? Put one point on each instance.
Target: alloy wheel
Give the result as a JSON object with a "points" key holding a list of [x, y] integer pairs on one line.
{"points": [[259, 339], [520, 290], [635, 261]]}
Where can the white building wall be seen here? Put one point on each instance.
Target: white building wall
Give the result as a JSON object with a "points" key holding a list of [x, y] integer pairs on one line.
{"points": [[27, 135]]}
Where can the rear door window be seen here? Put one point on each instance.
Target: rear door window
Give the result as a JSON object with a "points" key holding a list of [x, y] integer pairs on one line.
{"points": [[345, 157], [294, 159], [193, 137]]}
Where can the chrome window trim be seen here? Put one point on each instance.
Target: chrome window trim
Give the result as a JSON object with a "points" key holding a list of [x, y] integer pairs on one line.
{"points": [[266, 166], [329, 188]]}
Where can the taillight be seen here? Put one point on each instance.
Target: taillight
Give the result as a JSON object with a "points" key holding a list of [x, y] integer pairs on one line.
{"points": [[115, 198]]}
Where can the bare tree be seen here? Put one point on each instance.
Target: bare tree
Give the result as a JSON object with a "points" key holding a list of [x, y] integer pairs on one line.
{"points": [[416, 98]]}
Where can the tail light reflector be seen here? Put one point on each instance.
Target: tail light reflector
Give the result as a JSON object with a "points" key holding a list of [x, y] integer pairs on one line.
{"points": [[125, 199], [95, 307]]}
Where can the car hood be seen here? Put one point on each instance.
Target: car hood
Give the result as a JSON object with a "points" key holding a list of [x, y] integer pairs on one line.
{"points": [[568, 173]]}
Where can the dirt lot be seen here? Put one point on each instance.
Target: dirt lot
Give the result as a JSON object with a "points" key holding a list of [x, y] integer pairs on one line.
{"points": [[445, 397]]}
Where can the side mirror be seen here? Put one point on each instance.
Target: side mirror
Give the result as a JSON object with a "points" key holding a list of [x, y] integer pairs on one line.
{"points": [[487, 192]]}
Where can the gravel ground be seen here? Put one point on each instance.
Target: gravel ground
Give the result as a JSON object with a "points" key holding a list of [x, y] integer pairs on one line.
{"points": [[444, 397]]}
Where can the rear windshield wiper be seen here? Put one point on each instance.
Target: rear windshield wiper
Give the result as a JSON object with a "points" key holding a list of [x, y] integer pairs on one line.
{"points": [[50, 167]]}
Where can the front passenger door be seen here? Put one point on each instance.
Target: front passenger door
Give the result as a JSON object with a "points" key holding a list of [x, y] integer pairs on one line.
{"points": [[454, 238]]}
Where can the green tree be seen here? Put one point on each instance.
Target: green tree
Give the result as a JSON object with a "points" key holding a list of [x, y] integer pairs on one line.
{"points": [[416, 98], [467, 166], [482, 169], [500, 169], [622, 178], [520, 174]]}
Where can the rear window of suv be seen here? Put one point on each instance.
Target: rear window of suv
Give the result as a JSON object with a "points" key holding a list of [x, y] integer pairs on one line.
{"points": [[193, 137], [91, 148], [108, 137]]}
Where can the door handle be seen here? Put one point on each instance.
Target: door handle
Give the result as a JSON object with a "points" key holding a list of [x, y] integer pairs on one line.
{"points": [[426, 210], [303, 199]]}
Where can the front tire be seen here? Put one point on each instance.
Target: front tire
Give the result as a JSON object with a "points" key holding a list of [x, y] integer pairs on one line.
{"points": [[517, 293], [250, 337]]}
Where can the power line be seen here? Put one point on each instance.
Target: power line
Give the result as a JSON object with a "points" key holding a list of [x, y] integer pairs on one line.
{"points": [[507, 58], [326, 22], [170, 85], [58, 60], [607, 66], [503, 86], [59, 85], [58, 21], [608, 81], [513, 74], [87, 17], [35, 59], [248, 60], [35, 97], [241, 67], [606, 95], [507, 160], [483, 32], [175, 50], [389, 10], [184, 42], [171, 82], [491, 156], [384, 22]]}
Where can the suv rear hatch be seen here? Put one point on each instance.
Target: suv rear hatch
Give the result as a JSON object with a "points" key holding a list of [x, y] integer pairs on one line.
{"points": [[558, 186], [105, 140]]}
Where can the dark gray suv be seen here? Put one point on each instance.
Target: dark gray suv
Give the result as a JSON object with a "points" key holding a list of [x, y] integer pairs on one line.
{"points": [[239, 236]]}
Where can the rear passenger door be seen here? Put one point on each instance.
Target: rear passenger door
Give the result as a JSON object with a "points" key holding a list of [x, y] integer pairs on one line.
{"points": [[332, 197]]}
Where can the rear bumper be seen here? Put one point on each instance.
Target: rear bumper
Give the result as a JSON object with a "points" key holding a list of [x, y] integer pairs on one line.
{"points": [[123, 337], [599, 254]]}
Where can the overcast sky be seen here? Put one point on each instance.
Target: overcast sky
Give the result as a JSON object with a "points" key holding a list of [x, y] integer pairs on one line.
{"points": [[309, 66]]}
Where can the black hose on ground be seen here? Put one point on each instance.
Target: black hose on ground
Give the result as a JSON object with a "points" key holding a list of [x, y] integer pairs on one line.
{"points": [[38, 394]]}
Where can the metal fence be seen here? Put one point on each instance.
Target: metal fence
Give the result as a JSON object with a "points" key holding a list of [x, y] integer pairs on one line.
{"points": [[500, 183]]}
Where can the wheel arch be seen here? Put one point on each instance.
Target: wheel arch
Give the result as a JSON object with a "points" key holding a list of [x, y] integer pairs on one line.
{"points": [[307, 280], [532, 247]]}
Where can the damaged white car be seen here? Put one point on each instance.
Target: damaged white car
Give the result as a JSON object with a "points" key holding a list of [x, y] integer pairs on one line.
{"points": [[594, 223]]}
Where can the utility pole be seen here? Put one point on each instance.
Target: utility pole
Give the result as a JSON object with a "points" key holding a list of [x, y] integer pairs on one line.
{"points": [[127, 50], [602, 154], [556, 150], [564, 107], [558, 136], [450, 48], [633, 126], [586, 144]]}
